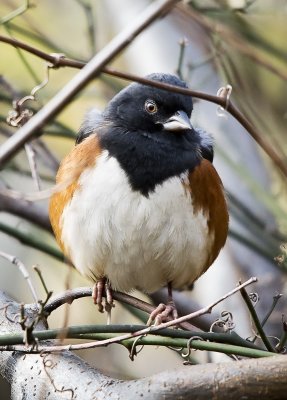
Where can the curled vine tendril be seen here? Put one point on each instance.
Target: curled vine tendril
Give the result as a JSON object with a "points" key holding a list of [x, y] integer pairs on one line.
{"points": [[225, 321]]}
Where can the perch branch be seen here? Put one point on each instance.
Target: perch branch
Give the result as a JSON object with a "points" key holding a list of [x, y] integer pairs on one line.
{"points": [[199, 381], [70, 295], [148, 330]]}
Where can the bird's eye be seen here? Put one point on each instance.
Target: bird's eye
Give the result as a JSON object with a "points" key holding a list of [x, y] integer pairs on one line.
{"points": [[150, 106]]}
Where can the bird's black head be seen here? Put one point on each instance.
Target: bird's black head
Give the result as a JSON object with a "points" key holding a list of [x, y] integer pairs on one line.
{"points": [[145, 109], [149, 132]]}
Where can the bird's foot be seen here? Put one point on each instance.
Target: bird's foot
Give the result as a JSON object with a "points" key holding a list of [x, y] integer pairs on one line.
{"points": [[103, 302], [163, 313]]}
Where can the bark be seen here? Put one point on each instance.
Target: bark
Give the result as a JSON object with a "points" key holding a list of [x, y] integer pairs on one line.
{"points": [[66, 376]]}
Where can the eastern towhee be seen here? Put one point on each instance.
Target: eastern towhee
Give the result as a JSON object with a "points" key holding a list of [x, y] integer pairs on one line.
{"points": [[140, 204]]}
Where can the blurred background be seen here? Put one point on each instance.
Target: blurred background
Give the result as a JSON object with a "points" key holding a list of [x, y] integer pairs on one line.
{"points": [[210, 44]]}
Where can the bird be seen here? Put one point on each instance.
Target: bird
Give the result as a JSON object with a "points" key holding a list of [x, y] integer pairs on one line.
{"points": [[139, 203]]}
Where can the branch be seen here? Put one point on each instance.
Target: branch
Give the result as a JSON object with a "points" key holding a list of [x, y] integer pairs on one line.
{"points": [[19, 11], [186, 305], [14, 260], [97, 331], [228, 36], [36, 375], [221, 101], [10, 150], [148, 330], [14, 342], [89, 72], [31, 241], [256, 320], [29, 211], [70, 295]]}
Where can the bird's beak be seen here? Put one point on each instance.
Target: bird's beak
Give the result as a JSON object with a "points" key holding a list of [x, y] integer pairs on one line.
{"points": [[177, 122]]}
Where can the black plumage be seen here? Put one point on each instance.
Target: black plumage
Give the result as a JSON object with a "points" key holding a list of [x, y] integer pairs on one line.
{"points": [[148, 150]]}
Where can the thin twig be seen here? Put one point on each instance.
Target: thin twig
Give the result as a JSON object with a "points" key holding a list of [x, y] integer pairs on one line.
{"points": [[32, 163], [233, 39], [256, 320], [38, 271], [14, 260], [88, 10], [148, 330], [64, 62], [276, 298], [283, 339], [90, 71], [15, 13], [182, 46]]}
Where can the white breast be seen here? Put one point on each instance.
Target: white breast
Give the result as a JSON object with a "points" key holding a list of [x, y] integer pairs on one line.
{"points": [[135, 241]]}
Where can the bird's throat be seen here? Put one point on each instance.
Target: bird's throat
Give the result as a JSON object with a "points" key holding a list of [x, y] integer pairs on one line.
{"points": [[150, 160]]}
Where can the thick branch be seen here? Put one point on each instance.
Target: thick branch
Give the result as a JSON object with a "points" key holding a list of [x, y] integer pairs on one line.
{"points": [[241, 380]]}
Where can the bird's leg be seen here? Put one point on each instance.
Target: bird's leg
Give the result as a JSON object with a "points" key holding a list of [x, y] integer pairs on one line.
{"points": [[163, 311], [99, 288], [109, 302]]}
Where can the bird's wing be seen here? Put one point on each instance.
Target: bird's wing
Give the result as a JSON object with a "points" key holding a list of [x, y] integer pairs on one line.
{"points": [[82, 156], [206, 144], [92, 120], [208, 197]]}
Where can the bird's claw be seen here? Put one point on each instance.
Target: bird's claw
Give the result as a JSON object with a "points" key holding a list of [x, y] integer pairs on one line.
{"points": [[162, 313], [103, 302]]}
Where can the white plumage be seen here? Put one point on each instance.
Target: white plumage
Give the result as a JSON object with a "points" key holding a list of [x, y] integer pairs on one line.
{"points": [[135, 241]]}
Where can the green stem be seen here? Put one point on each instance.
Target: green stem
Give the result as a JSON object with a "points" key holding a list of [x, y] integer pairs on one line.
{"points": [[31, 241], [265, 319], [182, 46], [283, 338], [15, 13], [88, 11], [256, 320], [13, 167], [232, 339], [195, 344], [276, 298], [166, 337], [24, 61], [252, 245]]}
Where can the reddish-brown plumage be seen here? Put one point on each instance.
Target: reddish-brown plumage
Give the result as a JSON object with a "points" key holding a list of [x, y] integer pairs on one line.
{"points": [[82, 156], [208, 196]]}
